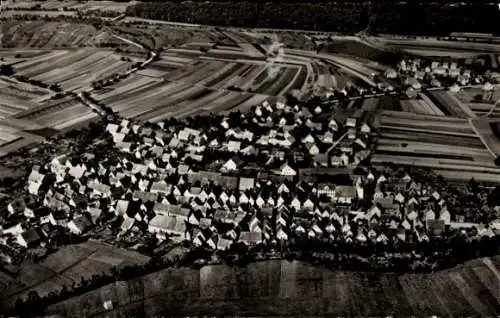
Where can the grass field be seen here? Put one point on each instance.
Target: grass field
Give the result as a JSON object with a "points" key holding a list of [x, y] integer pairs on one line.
{"points": [[282, 288], [69, 265]]}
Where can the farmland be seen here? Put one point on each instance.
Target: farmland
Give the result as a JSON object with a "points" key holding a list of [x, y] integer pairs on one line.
{"points": [[69, 5], [187, 81], [73, 70], [49, 35], [201, 69], [435, 47], [448, 145], [294, 288], [69, 265]]}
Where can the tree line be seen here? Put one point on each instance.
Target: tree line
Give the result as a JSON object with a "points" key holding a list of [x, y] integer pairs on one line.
{"points": [[422, 18]]}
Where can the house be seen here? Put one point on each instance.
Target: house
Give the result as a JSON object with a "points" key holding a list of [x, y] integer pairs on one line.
{"points": [[344, 194], [223, 244], [77, 171], [167, 224], [435, 227], [35, 181], [246, 183], [108, 305], [16, 206], [79, 225], [281, 235], [321, 160], [286, 170], [251, 238], [309, 139], [95, 214], [100, 189], [234, 146], [232, 164], [332, 125], [58, 217], [127, 223], [313, 150], [445, 216], [326, 189], [161, 187], [30, 237], [351, 122]]}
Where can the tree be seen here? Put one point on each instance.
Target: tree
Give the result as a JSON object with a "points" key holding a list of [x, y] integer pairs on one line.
{"points": [[6, 69], [474, 186], [494, 197], [497, 161]]}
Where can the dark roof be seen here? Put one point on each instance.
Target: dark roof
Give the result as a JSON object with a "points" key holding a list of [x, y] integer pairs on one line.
{"points": [[82, 222], [32, 236], [42, 211], [133, 207]]}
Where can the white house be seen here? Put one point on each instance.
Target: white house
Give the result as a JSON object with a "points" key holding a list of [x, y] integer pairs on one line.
{"points": [[286, 170], [79, 225]]}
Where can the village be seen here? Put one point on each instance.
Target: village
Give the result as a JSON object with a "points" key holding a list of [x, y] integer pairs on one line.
{"points": [[234, 179]]}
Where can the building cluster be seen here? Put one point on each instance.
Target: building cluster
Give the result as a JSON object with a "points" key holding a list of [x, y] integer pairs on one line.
{"points": [[235, 181], [417, 73]]}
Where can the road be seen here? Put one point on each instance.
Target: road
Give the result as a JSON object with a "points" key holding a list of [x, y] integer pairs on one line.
{"points": [[129, 41], [337, 142], [91, 104]]}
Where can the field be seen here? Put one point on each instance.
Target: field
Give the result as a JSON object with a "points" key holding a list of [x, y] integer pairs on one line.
{"points": [[187, 81], [73, 70], [16, 98], [49, 35], [434, 47], [450, 105], [448, 145], [359, 49], [70, 5], [201, 69], [282, 288], [69, 265], [423, 106]]}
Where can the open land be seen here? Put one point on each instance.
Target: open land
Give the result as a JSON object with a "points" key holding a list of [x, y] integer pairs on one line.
{"points": [[67, 265], [294, 288]]}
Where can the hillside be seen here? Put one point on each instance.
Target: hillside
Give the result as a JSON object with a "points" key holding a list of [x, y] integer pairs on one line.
{"points": [[41, 34], [294, 288]]}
